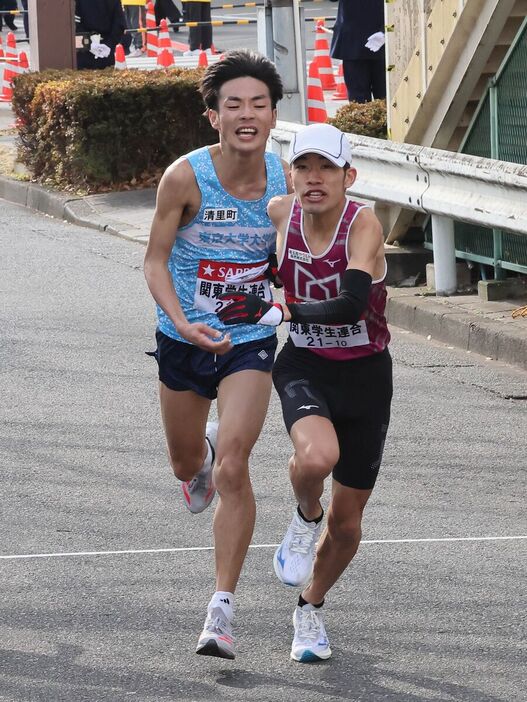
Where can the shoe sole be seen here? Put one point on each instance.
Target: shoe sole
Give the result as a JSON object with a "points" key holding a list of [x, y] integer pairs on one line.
{"points": [[280, 576], [211, 648], [311, 657]]}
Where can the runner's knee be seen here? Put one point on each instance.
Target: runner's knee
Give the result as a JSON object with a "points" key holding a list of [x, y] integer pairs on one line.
{"points": [[231, 475], [345, 528], [314, 462], [185, 465]]}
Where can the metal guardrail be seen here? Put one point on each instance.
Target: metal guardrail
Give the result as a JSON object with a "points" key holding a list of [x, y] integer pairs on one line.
{"points": [[462, 187], [446, 185]]}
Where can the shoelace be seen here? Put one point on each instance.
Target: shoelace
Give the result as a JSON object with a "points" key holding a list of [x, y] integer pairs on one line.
{"points": [[302, 539], [202, 478], [218, 626], [309, 625], [198, 481]]}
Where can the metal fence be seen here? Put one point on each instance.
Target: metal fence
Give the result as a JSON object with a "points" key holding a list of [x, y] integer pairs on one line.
{"points": [[498, 130]]}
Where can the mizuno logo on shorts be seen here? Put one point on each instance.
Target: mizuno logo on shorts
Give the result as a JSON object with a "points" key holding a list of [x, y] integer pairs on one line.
{"points": [[307, 407]]}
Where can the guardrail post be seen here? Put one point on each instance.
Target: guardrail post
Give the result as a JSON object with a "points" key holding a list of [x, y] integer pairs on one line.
{"points": [[288, 52], [444, 255]]}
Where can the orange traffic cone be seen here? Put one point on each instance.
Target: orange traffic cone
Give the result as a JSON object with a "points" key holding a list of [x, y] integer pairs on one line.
{"points": [[151, 30], [23, 63], [120, 58], [164, 41], [316, 107], [203, 61], [165, 58], [323, 59], [341, 93], [10, 68]]}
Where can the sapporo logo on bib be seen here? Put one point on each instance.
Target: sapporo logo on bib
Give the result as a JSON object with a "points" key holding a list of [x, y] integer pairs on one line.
{"points": [[217, 277]]}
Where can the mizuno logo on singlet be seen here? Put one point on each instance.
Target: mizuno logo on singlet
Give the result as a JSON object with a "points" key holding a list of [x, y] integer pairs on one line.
{"points": [[332, 263]]}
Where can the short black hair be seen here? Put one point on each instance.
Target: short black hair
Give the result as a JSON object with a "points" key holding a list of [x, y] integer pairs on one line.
{"points": [[240, 63]]}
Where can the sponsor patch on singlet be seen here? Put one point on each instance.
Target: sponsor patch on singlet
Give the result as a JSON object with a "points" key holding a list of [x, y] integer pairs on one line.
{"points": [[217, 277], [329, 336]]}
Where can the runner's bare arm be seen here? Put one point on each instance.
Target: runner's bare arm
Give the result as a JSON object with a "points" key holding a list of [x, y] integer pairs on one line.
{"points": [[174, 195], [278, 209], [366, 244]]}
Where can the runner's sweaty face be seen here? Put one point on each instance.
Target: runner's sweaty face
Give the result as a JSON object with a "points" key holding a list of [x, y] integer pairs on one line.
{"points": [[245, 115], [319, 184]]}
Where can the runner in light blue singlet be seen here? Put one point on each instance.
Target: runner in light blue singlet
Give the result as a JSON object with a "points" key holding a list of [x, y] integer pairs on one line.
{"points": [[224, 248]]}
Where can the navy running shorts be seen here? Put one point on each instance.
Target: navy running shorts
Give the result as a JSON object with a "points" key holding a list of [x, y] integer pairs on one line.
{"points": [[184, 366], [354, 395]]}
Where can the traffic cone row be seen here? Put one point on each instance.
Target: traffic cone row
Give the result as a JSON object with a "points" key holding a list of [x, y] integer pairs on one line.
{"points": [[323, 59], [151, 31], [316, 105]]}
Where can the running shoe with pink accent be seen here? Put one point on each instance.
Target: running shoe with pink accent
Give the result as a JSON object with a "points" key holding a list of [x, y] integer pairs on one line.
{"points": [[199, 492], [216, 638]]}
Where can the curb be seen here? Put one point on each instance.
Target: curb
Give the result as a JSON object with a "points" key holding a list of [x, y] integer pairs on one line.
{"points": [[427, 317], [71, 208]]}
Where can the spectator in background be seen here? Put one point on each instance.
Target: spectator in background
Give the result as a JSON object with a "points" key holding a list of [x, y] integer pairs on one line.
{"points": [[360, 24], [167, 9], [6, 16], [26, 18], [135, 16], [199, 38], [104, 22]]}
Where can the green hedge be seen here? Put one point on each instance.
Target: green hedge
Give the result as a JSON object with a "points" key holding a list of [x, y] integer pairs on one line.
{"points": [[365, 118], [95, 130]]}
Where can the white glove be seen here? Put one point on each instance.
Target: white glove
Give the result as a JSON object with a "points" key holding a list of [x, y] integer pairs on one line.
{"points": [[376, 41], [100, 50]]}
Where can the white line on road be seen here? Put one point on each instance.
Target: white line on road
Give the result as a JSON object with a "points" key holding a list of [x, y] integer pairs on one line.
{"points": [[184, 549]]}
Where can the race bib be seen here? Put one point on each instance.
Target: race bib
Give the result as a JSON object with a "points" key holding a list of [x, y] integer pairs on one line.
{"points": [[217, 277], [329, 336]]}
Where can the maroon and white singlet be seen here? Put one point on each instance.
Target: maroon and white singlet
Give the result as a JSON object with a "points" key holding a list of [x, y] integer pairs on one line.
{"points": [[309, 278]]}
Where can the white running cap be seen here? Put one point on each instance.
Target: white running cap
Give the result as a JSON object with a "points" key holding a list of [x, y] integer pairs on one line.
{"points": [[323, 139]]}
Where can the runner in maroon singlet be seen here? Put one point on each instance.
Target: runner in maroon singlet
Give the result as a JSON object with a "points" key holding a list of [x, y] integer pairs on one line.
{"points": [[334, 374]]}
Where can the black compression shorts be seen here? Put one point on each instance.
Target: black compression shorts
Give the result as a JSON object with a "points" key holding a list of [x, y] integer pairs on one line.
{"points": [[354, 395]]}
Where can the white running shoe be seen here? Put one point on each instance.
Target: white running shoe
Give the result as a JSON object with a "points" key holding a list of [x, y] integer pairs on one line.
{"points": [[216, 638], [293, 559], [310, 642], [199, 492]]}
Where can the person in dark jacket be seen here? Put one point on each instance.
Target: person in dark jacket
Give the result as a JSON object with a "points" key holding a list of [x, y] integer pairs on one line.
{"points": [[199, 37], [364, 68], [104, 18], [166, 9], [8, 18]]}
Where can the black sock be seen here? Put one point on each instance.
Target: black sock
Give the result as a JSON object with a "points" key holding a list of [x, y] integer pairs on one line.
{"points": [[315, 521], [302, 602]]}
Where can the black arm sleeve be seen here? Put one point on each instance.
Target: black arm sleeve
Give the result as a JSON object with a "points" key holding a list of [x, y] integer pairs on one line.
{"points": [[346, 308]]}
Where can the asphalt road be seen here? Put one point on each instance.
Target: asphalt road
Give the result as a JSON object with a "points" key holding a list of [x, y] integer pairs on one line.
{"points": [[433, 607]]}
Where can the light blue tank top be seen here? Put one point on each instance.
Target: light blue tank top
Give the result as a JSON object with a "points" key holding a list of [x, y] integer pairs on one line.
{"points": [[223, 249]]}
